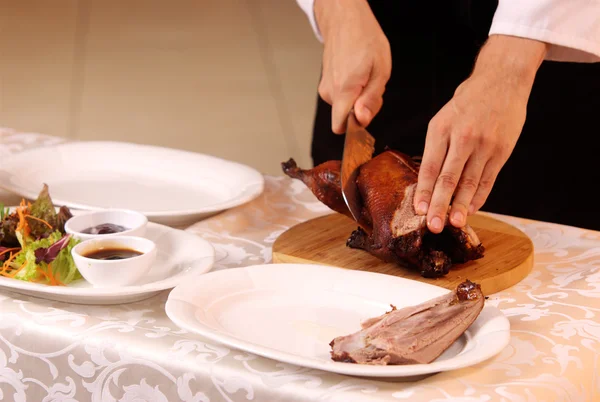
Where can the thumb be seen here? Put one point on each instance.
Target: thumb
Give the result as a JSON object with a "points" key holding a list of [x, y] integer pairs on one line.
{"points": [[370, 100]]}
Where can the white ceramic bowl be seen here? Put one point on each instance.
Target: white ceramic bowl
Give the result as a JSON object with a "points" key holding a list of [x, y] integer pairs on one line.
{"points": [[134, 223], [114, 273]]}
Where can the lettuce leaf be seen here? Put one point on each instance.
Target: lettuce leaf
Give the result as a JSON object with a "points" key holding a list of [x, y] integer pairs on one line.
{"points": [[43, 209], [62, 264], [8, 227], [27, 256], [64, 214], [49, 254], [29, 271]]}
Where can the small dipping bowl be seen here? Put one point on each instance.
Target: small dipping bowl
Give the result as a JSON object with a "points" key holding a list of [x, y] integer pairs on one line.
{"points": [[114, 272], [131, 222]]}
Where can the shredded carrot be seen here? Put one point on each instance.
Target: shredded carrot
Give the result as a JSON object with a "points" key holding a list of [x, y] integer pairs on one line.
{"points": [[56, 276], [9, 250], [10, 259], [16, 271], [49, 274], [42, 273], [53, 280], [39, 220], [6, 265], [23, 226]]}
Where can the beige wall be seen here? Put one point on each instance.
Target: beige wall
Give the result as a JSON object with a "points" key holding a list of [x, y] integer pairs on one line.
{"points": [[231, 78]]}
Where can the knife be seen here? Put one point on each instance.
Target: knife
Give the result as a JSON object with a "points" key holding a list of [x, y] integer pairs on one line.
{"points": [[359, 146]]}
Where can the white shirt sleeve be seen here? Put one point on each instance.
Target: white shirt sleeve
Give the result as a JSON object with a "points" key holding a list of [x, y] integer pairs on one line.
{"points": [[571, 27], [308, 7]]}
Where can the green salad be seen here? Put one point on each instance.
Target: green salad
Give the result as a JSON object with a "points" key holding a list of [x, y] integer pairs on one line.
{"points": [[34, 246]]}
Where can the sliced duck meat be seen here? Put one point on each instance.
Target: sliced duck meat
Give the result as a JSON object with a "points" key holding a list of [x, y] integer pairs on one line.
{"points": [[412, 335]]}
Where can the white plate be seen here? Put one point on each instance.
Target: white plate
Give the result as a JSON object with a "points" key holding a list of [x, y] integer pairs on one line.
{"points": [[181, 256], [290, 313], [169, 186]]}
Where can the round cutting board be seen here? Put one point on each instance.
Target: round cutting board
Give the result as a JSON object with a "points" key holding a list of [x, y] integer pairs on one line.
{"points": [[508, 256]]}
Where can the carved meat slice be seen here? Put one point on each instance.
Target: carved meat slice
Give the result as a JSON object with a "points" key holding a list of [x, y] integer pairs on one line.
{"points": [[389, 227], [412, 335]]}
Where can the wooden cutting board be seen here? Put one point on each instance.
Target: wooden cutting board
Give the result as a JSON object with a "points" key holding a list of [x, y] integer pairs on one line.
{"points": [[507, 260]]}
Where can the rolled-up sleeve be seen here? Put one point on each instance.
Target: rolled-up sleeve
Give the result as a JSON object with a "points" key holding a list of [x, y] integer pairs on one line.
{"points": [[308, 7], [570, 27]]}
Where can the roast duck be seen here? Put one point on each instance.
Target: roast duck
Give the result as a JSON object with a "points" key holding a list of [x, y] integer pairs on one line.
{"points": [[389, 227]]}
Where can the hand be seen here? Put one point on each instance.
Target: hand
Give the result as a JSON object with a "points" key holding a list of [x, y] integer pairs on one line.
{"points": [[470, 139], [357, 60]]}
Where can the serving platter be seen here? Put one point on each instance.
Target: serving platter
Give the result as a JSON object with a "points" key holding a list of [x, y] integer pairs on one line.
{"points": [[169, 186], [290, 313], [181, 257]]}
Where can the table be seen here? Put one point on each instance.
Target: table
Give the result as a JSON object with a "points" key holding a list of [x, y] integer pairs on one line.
{"points": [[52, 351]]}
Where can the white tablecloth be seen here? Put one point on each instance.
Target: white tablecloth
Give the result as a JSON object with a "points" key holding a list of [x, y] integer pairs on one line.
{"points": [[51, 351]]}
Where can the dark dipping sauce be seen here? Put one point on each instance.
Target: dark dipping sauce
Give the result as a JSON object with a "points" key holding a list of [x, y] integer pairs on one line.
{"points": [[104, 228], [112, 254]]}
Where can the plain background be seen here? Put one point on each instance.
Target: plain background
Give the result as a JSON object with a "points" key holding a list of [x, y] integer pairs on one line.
{"points": [[231, 78]]}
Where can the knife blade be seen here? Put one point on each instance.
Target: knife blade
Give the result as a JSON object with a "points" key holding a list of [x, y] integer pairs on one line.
{"points": [[359, 146]]}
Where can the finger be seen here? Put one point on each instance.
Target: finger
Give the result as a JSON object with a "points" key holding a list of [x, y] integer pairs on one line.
{"points": [[445, 185], [325, 91], [370, 100], [436, 146], [486, 183], [467, 186], [367, 109], [342, 103]]}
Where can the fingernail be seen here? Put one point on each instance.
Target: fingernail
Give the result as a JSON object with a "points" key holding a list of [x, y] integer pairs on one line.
{"points": [[436, 224], [422, 207], [458, 217], [366, 113], [471, 209]]}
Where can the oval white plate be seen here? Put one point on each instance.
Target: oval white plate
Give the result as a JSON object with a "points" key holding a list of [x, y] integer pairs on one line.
{"points": [[169, 186], [290, 313], [181, 256]]}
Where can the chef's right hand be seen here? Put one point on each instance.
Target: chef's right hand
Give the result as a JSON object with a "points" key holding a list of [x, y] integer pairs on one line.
{"points": [[357, 60]]}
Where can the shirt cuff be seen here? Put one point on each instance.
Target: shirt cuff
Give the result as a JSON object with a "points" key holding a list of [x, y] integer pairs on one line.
{"points": [[308, 7], [571, 27]]}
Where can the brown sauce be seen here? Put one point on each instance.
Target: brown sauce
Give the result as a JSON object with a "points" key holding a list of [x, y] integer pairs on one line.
{"points": [[104, 228], [112, 254]]}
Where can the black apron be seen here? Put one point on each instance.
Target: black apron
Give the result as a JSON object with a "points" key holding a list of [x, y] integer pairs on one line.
{"points": [[555, 168]]}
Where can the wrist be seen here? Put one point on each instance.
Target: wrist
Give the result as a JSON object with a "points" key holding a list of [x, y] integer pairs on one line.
{"points": [[329, 13], [516, 59]]}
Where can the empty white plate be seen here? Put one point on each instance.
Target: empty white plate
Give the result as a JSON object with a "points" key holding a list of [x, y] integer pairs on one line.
{"points": [[169, 186], [181, 256], [290, 313]]}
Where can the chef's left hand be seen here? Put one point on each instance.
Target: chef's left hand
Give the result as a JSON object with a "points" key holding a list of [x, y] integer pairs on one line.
{"points": [[470, 139]]}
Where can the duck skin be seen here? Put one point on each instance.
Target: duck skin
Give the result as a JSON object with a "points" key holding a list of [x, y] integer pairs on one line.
{"points": [[389, 227], [412, 335]]}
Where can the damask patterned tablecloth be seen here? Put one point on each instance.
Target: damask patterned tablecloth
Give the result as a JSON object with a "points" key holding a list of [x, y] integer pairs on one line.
{"points": [[51, 351]]}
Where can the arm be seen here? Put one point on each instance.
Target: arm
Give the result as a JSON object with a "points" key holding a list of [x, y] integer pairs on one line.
{"points": [[356, 58], [473, 135], [576, 38], [570, 27]]}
